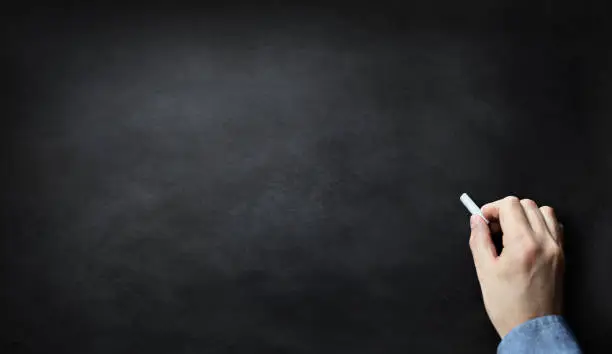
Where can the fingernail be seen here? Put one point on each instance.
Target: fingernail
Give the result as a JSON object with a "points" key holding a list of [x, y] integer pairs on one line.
{"points": [[474, 221]]}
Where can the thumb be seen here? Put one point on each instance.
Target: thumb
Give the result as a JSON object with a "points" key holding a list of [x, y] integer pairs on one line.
{"points": [[483, 249]]}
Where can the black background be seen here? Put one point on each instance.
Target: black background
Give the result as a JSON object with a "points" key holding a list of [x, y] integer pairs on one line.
{"points": [[236, 178]]}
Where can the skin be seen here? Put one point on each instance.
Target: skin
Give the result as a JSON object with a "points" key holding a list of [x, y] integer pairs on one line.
{"points": [[524, 281]]}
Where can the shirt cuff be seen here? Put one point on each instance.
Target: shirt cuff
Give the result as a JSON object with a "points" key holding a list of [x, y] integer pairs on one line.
{"points": [[547, 334]]}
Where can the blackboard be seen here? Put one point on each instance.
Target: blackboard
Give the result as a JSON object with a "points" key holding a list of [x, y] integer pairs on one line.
{"points": [[245, 179]]}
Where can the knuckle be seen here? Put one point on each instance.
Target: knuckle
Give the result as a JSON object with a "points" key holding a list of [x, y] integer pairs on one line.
{"points": [[555, 251], [530, 247], [546, 209], [529, 250], [511, 199], [528, 203], [472, 242]]}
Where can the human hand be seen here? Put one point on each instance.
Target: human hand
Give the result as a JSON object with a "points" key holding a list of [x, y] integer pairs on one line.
{"points": [[525, 280]]}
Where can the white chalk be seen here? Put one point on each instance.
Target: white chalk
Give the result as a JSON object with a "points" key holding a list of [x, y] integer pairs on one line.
{"points": [[471, 206]]}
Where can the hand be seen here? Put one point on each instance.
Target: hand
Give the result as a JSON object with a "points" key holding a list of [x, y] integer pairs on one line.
{"points": [[525, 280]]}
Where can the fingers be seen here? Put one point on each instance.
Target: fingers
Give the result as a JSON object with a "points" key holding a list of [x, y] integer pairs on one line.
{"points": [[510, 214], [521, 217], [483, 249], [553, 225], [535, 217]]}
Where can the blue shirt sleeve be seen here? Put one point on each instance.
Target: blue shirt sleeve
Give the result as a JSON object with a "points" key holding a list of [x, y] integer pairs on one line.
{"points": [[547, 334]]}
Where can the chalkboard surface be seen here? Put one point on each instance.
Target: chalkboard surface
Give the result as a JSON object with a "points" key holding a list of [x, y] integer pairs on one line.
{"points": [[285, 179]]}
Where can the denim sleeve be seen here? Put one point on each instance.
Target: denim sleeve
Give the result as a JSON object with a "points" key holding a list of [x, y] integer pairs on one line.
{"points": [[548, 334]]}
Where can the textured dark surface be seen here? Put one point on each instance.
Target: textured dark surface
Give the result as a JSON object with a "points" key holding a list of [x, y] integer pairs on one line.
{"points": [[286, 179]]}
